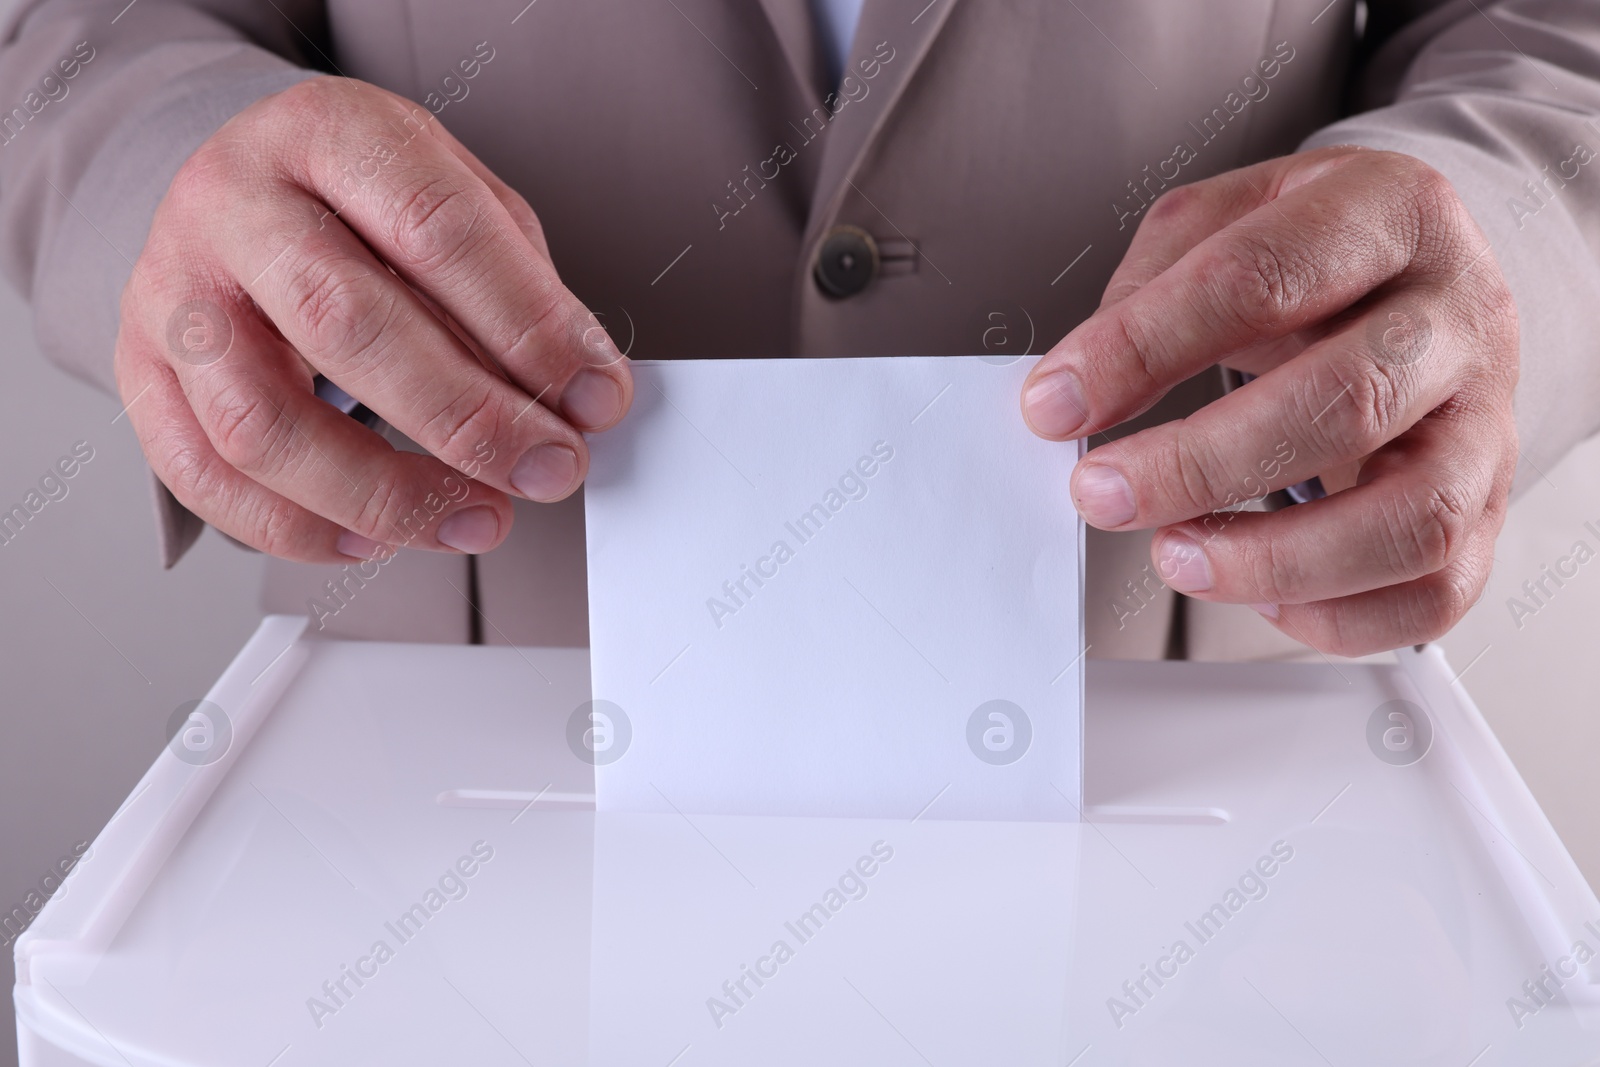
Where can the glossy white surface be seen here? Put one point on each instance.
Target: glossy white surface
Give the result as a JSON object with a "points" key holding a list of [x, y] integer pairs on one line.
{"points": [[1406, 902]]}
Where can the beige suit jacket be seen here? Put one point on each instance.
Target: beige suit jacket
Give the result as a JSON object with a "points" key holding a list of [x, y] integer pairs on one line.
{"points": [[686, 160]]}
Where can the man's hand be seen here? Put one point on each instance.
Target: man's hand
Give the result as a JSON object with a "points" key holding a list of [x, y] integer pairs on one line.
{"points": [[1355, 283], [335, 228]]}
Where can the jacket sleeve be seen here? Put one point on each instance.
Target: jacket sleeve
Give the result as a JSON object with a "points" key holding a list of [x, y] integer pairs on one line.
{"points": [[101, 101], [1504, 100]]}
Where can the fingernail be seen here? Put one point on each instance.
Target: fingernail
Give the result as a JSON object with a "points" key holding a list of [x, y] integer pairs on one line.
{"points": [[1269, 611], [354, 545], [1183, 564], [471, 530], [591, 399], [1054, 405], [1103, 496], [545, 472]]}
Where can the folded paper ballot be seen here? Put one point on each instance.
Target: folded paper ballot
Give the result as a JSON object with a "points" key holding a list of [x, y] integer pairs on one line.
{"points": [[834, 587]]}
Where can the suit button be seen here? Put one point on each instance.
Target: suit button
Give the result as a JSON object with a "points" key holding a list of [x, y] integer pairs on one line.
{"points": [[847, 261]]}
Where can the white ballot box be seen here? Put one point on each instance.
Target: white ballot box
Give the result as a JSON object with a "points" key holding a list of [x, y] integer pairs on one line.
{"points": [[364, 853]]}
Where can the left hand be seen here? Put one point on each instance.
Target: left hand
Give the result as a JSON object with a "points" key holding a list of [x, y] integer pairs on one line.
{"points": [[1357, 286]]}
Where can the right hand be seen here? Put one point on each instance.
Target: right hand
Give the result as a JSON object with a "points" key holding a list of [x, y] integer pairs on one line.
{"points": [[336, 228]]}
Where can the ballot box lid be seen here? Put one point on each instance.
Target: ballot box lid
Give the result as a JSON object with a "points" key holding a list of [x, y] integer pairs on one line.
{"points": [[359, 852]]}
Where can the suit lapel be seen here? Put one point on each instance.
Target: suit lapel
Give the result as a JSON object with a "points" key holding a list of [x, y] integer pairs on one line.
{"points": [[909, 28], [796, 31]]}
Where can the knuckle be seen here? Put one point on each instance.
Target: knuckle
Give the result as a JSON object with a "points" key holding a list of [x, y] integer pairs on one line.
{"points": [[322, 102], [186, 470], [1351, 411], [278, 528], [1429, 188], [1275, 573], [1441, 522], [469, 420], [431, 223], [1423, 610], [289, 122], [381, 510], [1416, 534], [249, 432], [1409, 177], [340, 308], [202, 175], [1174, 204], [262, 520], [551, 339], [1262, 281], [1438, 602], [1130, 335], [1433, 218], [1129, 279], [1191, 480]]}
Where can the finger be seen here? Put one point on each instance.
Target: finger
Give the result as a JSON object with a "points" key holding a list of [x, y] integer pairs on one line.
{"points": [[1287, 265], [1421, 501], [444, 230], [596, 349], [373, 336], [516, 205], [260, 415], [1340, 400], [181, 455], [1423, 609], [1185, 215]]}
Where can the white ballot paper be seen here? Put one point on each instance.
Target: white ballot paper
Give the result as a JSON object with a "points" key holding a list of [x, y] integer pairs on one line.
{"points": [[834, 587]]}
